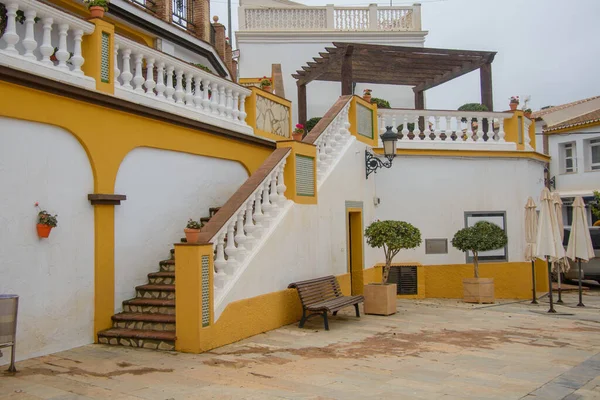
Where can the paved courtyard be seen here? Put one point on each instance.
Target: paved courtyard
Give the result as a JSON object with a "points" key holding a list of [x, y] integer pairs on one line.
{"points": [[431, 349]]}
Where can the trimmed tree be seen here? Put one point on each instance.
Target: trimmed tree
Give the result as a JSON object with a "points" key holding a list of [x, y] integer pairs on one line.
{"points": [[483, 236], [393, 236]]}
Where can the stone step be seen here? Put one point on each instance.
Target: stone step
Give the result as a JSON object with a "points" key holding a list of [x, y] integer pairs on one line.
{"points": [[163, 277], [167, 265], [161, 340], [152, 306], [144, 321], [166, 292]]}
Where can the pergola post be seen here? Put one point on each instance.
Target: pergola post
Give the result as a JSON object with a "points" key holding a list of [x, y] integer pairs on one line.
{"points": [[302, 104], [485, 74], [347, 72]]}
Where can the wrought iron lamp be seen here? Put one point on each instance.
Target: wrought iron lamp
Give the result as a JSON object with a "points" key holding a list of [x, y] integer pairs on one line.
{"points": [[373, 163]]}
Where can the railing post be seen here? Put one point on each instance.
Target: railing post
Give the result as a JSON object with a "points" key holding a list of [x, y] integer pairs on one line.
{"points": [[98, 51], [416, 17], [330, 18], [373, 17]]}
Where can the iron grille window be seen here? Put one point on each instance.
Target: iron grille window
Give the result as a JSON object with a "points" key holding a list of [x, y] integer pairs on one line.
{"points": [[147, 4], [405, 278], [183, 13]]}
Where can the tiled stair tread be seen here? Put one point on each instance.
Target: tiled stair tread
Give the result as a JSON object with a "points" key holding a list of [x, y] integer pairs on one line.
{"points": [[150, 302], [138, 334], [162, 274], [145, 317], [164, 288]]}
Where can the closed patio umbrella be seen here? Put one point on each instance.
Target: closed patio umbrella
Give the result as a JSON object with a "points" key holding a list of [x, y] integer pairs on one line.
{"points": [[548, 243], [531, 221], [580, 242], [561, 265]]}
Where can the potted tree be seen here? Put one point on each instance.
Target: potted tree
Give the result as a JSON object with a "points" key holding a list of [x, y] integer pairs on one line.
{"points": [[483, 236], [265, 84], [192, 231], [393, 236], [45, 222], [97, 7]]}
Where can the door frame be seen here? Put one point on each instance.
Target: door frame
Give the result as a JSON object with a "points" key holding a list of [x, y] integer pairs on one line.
{"points": [[355, 255]]}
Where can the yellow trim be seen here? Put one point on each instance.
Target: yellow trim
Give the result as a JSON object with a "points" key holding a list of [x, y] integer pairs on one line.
{"points": [[251, 113], [247, 81], [289, 173], [92, 53], [355, 250], [572, 128], [108, 135], [352, 117], [471, 153]]}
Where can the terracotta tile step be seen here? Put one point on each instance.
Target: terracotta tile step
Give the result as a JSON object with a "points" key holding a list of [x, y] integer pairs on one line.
{"points": [[150, 302], [159, 288], [144, 317], [162, 274], [138, 334]]}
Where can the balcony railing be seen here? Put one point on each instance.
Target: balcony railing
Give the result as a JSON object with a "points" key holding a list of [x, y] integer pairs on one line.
{"points": [[331, 18]]}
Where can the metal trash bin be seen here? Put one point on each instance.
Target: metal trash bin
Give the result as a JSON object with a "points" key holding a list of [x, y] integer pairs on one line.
{"points": [[9, 304]]}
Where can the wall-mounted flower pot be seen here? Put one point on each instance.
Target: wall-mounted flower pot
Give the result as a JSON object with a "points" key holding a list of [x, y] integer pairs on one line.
{"points": [[268, 89], [43, 231], [192, 235], [478, 290], [96, 12], [380, 299]]}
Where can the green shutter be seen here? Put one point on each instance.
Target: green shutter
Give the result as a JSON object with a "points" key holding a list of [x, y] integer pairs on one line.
{"points": [[305, 176]]}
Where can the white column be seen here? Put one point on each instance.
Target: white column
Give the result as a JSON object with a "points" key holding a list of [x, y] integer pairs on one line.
{"points": [[448, 131], [138, 79], [10, 37], [62, 54], [469, 129], [266, 206], [273, 196], [77, 59], [160, 80], [281, 188], [437, 132], [236, 104], [205, 97], [46, 48], [228, 103], [220, 262], [150, 84], [169, 90], [29, 42], [198, 92], [230, 250], [214, 98], [126, 75], [189, 96], [243, 109], [117, 71], [258, 215], [417, 131], [249, 226], [222, 101], [405, 130], [480, 130], [501, 132], [240, 237], [179, 93], [427, 130]]}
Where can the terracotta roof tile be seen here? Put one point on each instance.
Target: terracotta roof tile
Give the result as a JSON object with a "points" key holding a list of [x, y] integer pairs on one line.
{"points": [[593, 116], [541, 113]]}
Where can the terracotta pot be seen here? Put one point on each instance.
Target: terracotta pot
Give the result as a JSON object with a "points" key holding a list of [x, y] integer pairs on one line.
{"points": [[367, 97], [478, 290], [268, 89], [297, 136], [513, 106], [192, 235], [380, 299], [96, 12], [43, 231]]}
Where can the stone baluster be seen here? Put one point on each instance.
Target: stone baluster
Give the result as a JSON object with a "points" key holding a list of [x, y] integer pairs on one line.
{"points": [[126, 75], [448, 131], [281, 188], [236, 103], [77, 59], [222, 100], [427, 130], [405, 130], [29, 42], [62, 55], [437, 131], [274, 196], [229, 103], [394, 124], [189, 84], [205, 96], [480, 129], [169, 90], [10, 37], [469, 130], [258, 214], [214, 98], [501, 132], [179, 93], [138, 79], [198, 93], [46, 49], [117, 71], [220, 262], [240, 237], [160, 80], [243, 109], [526, 125], [150, 84], [417, 130], [249, 226], [266, 206], [230, 250]]}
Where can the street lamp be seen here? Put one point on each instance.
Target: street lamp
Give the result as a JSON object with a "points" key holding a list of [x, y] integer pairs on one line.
{"points": [[373, 163]]}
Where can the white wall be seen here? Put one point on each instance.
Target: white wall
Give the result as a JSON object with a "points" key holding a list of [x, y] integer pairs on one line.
{"points": [[433, 193], [184, 54], [310, 241], [54, 277], [164, 189], [584, 179]]}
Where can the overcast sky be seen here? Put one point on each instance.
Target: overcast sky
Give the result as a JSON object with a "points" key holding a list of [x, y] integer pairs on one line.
{"points": [[548, 49]]}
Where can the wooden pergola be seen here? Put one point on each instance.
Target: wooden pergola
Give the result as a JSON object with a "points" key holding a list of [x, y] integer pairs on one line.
{"points": [[420, 67]]}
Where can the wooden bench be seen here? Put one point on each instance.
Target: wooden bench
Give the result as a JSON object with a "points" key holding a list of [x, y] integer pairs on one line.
{"points": [[322, 295]]}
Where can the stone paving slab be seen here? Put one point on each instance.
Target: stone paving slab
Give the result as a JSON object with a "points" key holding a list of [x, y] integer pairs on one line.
{"points": [[430, 349]]}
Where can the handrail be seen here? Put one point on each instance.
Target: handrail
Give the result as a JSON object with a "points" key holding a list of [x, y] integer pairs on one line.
{"points": [[327, 119]]}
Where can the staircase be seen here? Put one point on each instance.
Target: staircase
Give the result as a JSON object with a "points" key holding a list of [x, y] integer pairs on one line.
{"points": [[148, 320]]}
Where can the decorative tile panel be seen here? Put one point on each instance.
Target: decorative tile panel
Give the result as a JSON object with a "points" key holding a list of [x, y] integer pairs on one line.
{"points": [[105, 58], [364, 115], [205, 292], [305, 176], [272, 117]]}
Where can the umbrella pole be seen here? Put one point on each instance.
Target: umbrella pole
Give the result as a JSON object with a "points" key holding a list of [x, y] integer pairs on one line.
{"points": [[534, 301], [580, 294], [551, 310], [559, 301]]}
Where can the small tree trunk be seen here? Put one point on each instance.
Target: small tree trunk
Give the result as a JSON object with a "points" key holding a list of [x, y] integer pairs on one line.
{"points": [[476, 264], [386, 272]]}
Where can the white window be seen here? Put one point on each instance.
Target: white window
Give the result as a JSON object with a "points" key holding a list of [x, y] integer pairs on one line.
{"points": [[569, 158], [595, 154]]}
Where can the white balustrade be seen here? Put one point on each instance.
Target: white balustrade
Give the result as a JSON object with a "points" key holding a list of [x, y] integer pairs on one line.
{"points": [[447, 129], [158, 80], [29, 45], [235, 242]]}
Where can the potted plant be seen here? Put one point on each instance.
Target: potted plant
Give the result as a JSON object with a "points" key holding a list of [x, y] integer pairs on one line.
{"points": [[192, 231], [97, 7], [514, 102], [311, 123], [381, 103], [393, 236], [265, 84], [45, 222], [298, 132], [483, 236], [527, 112], [367, 95]]}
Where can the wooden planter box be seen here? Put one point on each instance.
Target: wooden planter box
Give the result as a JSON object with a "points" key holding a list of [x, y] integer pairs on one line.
{"points": [[380, 299], [478, 290]]}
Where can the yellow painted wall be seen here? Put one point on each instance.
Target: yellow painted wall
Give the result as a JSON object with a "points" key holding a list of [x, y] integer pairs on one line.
{"points": [[108, 135], [305, 149], [353, 117]]}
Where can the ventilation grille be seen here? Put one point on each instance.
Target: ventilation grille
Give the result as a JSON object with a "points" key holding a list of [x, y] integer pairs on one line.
{"points": [[105, 58], [205, 292], [305, 176], [405, 278]]}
